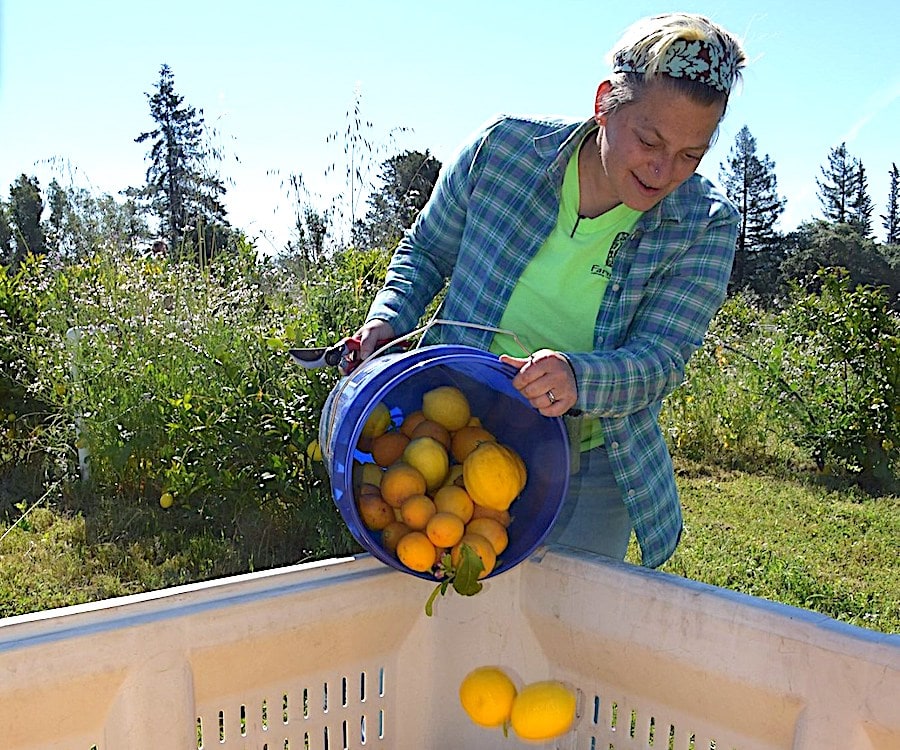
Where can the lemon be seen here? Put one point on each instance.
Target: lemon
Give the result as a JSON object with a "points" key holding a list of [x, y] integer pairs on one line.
{"points": [[430, 457], [487, 695], [314, 450], [377, 422], [494, 475], [166, 500], [543, 710], [448, 406]]}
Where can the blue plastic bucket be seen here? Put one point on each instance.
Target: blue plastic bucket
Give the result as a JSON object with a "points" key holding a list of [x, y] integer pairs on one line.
{"points": [[399, 381]]}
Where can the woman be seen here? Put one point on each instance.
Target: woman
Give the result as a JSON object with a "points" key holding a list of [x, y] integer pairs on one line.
{"points": [[601, 248]]}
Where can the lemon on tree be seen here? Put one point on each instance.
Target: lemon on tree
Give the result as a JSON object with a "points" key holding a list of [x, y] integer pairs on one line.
{"points": [[543, 710], [487, 695]]}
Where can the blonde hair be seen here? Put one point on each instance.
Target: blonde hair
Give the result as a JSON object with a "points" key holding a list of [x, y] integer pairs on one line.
{"points": [[685, 51]]}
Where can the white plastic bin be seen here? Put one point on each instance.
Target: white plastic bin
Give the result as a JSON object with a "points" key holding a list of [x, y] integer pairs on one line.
{"points": [[339, 655]]}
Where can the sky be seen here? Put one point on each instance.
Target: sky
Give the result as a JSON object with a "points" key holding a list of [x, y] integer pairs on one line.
{"points": [[276, 80]]}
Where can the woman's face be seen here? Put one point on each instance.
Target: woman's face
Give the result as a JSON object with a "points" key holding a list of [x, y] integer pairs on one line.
{"points": [[650, 146]]}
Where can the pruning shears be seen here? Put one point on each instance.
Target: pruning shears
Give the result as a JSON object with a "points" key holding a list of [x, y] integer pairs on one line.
{"points": [[344, 355]]}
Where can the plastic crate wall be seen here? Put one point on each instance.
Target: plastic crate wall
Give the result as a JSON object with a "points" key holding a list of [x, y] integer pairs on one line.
{"points": [[339, 655]]}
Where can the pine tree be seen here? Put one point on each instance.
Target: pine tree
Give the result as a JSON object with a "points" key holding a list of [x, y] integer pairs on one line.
{"points": [[183, 192], [6, 246], [407, 181], [751, 184], [891, 219], [838, 190], [861, 204], [25, 208]]}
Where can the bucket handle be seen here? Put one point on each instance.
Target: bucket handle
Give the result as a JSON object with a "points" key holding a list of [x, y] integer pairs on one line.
{"points": [[441, 321]]}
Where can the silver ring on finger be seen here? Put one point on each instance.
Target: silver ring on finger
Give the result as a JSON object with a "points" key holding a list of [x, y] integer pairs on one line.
{"points": [[551, 397]]}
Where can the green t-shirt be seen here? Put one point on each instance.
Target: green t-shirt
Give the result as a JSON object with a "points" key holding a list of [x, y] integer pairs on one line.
{"points": [[556, 300]]}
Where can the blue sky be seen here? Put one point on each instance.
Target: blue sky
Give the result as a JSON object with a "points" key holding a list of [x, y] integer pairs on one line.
{"points": [[275, 79]]}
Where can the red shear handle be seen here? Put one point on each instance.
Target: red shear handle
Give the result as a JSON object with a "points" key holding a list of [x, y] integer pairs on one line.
{"points": [[350, 359]]}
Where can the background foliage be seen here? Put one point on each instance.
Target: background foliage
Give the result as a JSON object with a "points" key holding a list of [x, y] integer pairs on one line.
{"points": [[129, 372]]}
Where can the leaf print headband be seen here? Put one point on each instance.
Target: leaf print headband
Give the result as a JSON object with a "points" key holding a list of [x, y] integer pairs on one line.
{"points": [[695, 59]]}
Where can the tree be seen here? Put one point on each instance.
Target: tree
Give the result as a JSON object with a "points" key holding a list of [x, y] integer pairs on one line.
{"points": [[751, 184], [861, 204], [891, 219], [6, 246], [407, 180], [839, 190], [183, 192], [26, 205], [822, 245]]}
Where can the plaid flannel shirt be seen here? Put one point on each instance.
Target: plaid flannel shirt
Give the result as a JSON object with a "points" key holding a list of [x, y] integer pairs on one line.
{"points": [[491, 210]]}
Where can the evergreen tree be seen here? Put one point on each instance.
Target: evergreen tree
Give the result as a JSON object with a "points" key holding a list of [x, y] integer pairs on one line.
{"points": [[891, 219], [838, 190], [6, 246], [183, 192], [861, 204], [26, 205], [407, 180], [751, 184]]}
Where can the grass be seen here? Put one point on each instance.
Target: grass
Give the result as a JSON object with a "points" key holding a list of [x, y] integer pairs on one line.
{"points": [[799, 541], [830, 549]]}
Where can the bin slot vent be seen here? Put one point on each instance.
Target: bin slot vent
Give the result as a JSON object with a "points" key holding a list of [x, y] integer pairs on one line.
{"points": [[330, 712], [613, 726]]}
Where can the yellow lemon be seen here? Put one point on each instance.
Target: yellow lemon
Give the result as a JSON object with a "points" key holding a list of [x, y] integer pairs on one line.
{"points": [[494, 475], [447, 405], [377, 422], [166, 500], [314, 450], [430, 457], [487, 695], [543, 710]]}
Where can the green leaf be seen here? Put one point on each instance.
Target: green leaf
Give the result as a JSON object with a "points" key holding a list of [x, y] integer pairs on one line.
{"points": [[465, 578]]}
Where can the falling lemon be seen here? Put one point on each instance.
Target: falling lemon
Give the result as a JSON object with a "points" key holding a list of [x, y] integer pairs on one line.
{"points": [[543, 710], [487, 695]]}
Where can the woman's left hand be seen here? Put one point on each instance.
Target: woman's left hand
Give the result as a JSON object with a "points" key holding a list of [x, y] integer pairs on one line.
{"points": [[546, 380]]}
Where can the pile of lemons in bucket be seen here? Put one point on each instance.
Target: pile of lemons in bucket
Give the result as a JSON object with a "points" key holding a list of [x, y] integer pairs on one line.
{"points": [[539, 711], [441, 485]]}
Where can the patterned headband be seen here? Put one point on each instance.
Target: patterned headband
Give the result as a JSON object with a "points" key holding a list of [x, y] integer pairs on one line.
{"points": [[695, 59]]}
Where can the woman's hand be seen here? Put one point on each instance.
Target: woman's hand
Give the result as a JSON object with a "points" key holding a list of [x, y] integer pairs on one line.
{"points": [[370, 334], [546, 380]]}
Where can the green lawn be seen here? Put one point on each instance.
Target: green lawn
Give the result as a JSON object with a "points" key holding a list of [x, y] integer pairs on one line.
{"points": [[796, 541]]}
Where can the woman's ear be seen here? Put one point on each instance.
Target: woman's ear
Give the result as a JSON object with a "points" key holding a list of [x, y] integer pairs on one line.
{"points": [[599, 110]]}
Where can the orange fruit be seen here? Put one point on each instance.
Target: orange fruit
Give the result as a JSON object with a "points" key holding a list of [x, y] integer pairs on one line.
{"points": [[480, 546], [410, 423], [455, 500], [466, 439], [387, 448], [416, 511], [375, 512], [487, 695], [479, 511], [428, 428], [392, 533], [416, 551], [447, 405], [445, 529], [400, 481], [490, 529]]}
